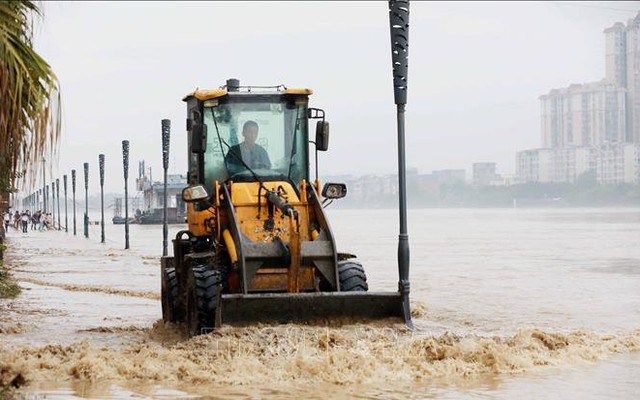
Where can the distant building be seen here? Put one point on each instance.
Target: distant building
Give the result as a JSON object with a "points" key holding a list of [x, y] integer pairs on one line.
{"points": [[484, 173], [618, 163], [622, 55], [612, 162], [583, 115], [534, 165], [592, 126], [450, 175]]}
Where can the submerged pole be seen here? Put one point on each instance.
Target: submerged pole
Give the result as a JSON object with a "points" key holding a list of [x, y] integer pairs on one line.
{"points": [[399, 29], [73, 189], [66, 219], [166, 133], [86, 200], [125, 165], [101, 165]]}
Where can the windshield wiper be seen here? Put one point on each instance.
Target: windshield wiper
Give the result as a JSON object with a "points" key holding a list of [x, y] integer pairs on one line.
{"points": [[293, 142]]}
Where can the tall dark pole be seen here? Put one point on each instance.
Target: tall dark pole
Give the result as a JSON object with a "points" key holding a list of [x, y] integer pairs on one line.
{"points": [[53, 204], [399, 29], [66, 219], [166, 133], [101, 163], [125, 165], [86, 200], [73, 189], [58, 196], [44, 185], [46, 196]]}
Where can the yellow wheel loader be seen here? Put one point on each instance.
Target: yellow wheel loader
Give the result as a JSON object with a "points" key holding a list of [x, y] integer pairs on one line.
{"points": [[259, 246]]}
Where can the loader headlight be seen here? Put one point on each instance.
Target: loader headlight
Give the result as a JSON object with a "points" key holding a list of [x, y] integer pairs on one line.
{"points": [[194, 193], [334, 190]]}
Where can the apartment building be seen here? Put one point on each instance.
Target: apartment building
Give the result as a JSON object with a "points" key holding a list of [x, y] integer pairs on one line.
{"points": [[484, 173], [560, 165], [583, 115], [618, 163], [592, 126]]}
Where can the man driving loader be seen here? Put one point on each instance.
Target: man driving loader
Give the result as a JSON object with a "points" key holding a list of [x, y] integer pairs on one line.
{"points": [[251, 153]]}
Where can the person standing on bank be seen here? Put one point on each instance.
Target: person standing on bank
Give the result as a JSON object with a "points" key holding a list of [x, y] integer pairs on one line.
{"points": [[24, 219], [251, 153], [7, 221]]}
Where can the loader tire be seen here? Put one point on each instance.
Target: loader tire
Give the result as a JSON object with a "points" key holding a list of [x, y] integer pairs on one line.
{"points": [[170, 302], [203, 285], [352, 277]]}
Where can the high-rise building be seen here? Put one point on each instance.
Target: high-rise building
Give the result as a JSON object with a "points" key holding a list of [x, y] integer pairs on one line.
{"points": [[583, 115], [593, 126], [622, 54], [616, 54]]}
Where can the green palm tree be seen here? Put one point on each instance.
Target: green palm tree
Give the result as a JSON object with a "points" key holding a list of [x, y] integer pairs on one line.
{"points": [[30, 112]]}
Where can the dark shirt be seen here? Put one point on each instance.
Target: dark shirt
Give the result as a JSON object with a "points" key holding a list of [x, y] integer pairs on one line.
{"points": [[257, 158]]}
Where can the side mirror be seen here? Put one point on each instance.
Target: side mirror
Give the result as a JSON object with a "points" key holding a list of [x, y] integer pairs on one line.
{"points": [[334, 190], [192, 194], [198, 138], [322, 135]]}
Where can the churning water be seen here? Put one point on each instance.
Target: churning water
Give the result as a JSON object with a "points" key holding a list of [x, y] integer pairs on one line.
{"points": [[508, 303]]}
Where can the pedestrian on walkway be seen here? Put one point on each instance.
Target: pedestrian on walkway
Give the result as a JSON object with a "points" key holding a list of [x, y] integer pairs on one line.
{"points": [[7, 220], [35, 217], [24, 218], [42, 225]]}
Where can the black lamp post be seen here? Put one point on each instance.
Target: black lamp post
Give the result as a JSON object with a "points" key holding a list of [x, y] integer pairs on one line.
{"points": [[399, 29], [101, 163], [166, 134], [58, 196], [53, 204], [125, 165], [73, 189], [44, 186], [86, 200], [66, 220]]}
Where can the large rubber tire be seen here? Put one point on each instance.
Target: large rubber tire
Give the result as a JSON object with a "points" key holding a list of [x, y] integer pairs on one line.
{"points": [[203, 285], [352, 276], [170, 302]]}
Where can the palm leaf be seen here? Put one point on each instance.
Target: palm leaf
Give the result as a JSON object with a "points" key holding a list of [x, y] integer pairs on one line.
{"points": [[30, 112]]}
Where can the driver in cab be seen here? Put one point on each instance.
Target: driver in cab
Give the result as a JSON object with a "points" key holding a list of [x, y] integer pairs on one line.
{"points": [[251, 153]]}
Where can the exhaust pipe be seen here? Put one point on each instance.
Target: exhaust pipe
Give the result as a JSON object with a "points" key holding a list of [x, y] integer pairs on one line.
{"points": [[233, 85]]}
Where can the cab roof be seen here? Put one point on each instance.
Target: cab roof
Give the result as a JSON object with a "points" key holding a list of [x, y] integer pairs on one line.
{"points": [[207, 94]]}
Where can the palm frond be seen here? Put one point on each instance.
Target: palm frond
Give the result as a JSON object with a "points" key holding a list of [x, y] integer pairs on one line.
{"points": [[30, 112]]}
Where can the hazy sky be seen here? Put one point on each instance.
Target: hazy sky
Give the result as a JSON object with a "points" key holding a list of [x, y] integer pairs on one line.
{"points": [[476, 70]]}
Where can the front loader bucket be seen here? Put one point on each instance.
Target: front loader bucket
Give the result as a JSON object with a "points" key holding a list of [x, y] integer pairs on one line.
{"points": [[288, 307]]}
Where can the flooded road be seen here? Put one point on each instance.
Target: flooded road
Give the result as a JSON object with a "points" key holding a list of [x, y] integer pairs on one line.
{"points": [[507, 303]]}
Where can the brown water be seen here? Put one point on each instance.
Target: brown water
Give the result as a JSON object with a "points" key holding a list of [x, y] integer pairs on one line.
{"points": [[507, 303]]}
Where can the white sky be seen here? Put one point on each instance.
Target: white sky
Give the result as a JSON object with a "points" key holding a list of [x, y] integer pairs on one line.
{"points": [[476, 70]]}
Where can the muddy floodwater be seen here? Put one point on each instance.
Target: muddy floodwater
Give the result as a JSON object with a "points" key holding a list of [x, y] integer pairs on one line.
{"points": [[508, 303]]}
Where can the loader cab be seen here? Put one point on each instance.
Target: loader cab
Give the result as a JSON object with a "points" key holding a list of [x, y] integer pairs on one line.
{"points": [[215, 124]]}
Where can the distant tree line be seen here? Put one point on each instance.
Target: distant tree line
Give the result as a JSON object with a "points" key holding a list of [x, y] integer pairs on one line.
{"points": [[585, 192]]}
